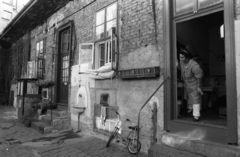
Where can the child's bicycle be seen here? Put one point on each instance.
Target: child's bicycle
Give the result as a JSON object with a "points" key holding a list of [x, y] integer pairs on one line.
{"points": [[130, 141]]}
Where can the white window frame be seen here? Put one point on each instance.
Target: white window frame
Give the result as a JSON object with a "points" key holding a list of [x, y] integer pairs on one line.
{"points": [[6, 14], [110, 55], [39, 57], [105, 21], [39, 49]]}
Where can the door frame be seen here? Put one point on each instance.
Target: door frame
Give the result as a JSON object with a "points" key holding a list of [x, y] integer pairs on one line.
{"points": [[68, 25], [174, 125]]}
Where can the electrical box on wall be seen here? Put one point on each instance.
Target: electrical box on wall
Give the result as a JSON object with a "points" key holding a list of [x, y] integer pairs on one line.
{"points": [[149, 72]]}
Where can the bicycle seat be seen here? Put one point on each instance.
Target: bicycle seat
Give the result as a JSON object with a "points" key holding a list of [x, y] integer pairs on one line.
{"points": [[133, 127]]}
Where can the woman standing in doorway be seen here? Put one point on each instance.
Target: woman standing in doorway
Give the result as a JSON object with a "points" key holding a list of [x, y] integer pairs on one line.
{"points": [[191, 76]]}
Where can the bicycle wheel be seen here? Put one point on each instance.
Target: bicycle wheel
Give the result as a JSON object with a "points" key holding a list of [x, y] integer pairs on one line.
{"points": [[111, 137], [132, 146]]}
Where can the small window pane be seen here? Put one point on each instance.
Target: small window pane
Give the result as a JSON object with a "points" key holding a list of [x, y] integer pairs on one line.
{"points": [[100, 32], [7, 15], [184, 6], [37, 49], [208, 3], [40, 64], [41, 49], [67, 64], [66, 73], [21, 88], [110, 24], [41, 45], [112, 12], [100, 17]]}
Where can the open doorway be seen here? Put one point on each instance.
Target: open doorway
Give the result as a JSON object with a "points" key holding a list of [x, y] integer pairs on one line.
{"points": [[204, 38]]}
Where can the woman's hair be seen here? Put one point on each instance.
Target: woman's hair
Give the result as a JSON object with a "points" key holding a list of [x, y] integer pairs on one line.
{"points": [[186, 53]]}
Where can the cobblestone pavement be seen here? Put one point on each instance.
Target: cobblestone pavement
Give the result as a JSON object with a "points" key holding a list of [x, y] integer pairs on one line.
{"points": [[16, 140], [89, 146]]}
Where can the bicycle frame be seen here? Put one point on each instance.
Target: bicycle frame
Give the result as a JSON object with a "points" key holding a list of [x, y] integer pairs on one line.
{"points": [[124, 139], [130, 141]]}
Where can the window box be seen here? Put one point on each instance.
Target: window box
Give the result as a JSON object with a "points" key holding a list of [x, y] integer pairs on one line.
{"points": [[149, 72]]}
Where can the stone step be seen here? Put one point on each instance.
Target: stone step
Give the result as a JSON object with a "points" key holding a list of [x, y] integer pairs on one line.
{"points": [[160, 150], [12, 114], [198, 147], [41, 127], [55, 120], [58, 113]]}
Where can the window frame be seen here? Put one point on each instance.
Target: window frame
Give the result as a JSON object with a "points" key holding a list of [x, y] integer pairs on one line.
{"points": [[6, 18], [108, 57], [105, 37], [40, 52]]}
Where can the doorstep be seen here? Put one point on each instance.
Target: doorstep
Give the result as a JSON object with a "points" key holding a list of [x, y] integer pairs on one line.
{"points": [[172, 145]]}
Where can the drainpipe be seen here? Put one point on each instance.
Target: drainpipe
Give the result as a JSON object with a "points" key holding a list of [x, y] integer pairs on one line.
{"points": [[155, 21]]}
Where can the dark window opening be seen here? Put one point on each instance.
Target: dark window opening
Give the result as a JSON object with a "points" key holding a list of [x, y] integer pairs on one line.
{"points": [[104, 99]]}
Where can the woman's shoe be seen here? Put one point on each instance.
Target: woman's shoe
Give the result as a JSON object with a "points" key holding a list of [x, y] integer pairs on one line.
{"points": [[196, 119], [189, 110]]}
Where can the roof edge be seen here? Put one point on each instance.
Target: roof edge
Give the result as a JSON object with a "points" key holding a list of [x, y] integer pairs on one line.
{"points": [[17, 17]]}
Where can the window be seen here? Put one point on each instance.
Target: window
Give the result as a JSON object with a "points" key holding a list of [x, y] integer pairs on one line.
{"points": [[186, 6], [45, 93], [40, 68], [106, 48], [40, 49], [65, 62], [105, 20], [105, 53], [7, 15]]}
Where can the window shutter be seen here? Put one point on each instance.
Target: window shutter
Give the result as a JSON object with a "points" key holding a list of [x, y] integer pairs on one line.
{"points": [[40, 64], [44, 54], [31, 69], [86, 56]]}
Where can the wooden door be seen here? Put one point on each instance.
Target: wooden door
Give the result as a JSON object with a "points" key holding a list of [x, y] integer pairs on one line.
{"points": [[63, 67]]}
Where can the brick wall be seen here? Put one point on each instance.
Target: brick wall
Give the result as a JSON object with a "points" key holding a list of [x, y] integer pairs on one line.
{"points": [[137, 29], [237, 5]]}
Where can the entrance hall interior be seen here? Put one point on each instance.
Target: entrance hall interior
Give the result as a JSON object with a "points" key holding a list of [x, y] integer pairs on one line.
{"points": [[204, 38]]}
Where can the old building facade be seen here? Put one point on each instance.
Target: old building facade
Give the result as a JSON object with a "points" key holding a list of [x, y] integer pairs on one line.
{"points": [[108, 55]]}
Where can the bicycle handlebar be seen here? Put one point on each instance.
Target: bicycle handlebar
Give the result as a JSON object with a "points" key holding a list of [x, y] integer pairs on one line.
{"points": [[120, 117]]}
